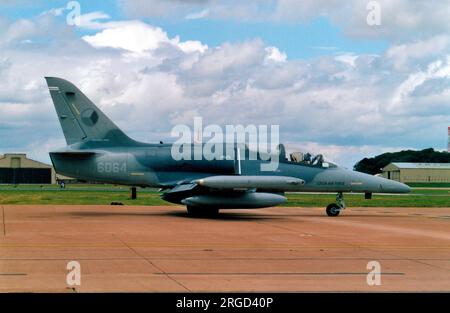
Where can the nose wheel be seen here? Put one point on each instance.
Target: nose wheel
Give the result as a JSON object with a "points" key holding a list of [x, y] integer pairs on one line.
{"points": [[334, 209]]}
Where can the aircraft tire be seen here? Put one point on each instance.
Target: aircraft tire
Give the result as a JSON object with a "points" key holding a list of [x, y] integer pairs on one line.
{"points": [[333, 209], [202, 212]]}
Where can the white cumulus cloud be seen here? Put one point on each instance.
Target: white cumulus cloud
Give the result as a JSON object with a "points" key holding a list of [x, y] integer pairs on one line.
{"points": [[138, 37], [274, 54]]}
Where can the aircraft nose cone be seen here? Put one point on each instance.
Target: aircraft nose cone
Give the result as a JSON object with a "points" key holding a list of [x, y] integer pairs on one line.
{"points": [[396, 187], [405, 188]]}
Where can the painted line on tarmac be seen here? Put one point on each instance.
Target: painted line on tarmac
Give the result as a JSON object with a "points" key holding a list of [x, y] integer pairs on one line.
{"points": [[282, 273], [3, 218], [217, 246]]}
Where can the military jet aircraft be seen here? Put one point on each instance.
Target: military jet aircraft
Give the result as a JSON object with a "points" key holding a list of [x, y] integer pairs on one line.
{"points": [[97, 150]]}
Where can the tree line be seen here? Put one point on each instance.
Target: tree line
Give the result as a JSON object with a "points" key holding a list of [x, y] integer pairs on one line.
{"points": [[374, 165]]}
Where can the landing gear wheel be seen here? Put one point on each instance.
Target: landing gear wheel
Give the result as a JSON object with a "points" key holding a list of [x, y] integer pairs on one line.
{"points": [[333, 209], [202, 212]]}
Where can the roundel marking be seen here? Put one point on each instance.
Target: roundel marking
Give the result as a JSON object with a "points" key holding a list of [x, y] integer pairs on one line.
{"points": [[89, 117]]}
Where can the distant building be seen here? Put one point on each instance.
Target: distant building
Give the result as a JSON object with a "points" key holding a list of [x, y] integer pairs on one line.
{"points": [[18, 169], [418, 172]]}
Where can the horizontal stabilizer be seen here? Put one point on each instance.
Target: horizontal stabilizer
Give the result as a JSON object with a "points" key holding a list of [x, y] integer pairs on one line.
{"points": [[260, 182]]}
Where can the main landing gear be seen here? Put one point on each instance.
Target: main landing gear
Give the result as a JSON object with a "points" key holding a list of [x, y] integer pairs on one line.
{"points": [[334, 209]]}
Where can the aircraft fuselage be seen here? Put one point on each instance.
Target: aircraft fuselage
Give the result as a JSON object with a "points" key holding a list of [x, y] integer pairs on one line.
{"points": [[152, 166]]}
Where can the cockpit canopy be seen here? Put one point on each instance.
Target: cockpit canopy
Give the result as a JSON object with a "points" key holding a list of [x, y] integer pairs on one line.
{"points": [[302, 158]]}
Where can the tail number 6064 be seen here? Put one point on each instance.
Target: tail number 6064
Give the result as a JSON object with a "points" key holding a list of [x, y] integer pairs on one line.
{"points": [[111, 167]]}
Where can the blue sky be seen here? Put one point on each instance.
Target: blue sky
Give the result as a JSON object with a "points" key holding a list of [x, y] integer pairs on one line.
{"points": [[298, 39], [333, 83]]}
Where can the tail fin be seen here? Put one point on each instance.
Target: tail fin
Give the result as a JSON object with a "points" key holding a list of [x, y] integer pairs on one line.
{"points": [[80, 118]]}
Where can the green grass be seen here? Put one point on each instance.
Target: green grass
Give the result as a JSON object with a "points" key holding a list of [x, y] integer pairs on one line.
{"points": [[429, 185], [105, 194], [429, 192], [68, 187], [357, 200], [77, 197]]}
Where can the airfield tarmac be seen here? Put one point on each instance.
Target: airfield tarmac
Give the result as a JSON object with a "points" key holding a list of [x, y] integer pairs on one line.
{"points": [[148, 249]]}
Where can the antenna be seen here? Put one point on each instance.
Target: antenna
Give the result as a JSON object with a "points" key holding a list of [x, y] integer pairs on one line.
{"points": [[448, 143]]}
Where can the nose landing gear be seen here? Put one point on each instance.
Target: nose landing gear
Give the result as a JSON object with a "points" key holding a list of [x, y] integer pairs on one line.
{"points": [[334, 209]]}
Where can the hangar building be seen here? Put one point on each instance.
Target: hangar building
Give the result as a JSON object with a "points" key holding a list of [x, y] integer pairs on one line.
{"points": [[18, 169], [417, 172]]}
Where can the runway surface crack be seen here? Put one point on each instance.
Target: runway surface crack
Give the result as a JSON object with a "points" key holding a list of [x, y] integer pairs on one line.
{"points": [[3, 220], [152, 264]]}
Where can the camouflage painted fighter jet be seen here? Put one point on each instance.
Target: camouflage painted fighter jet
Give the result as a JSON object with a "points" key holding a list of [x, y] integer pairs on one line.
{"points": [[97, 150]]}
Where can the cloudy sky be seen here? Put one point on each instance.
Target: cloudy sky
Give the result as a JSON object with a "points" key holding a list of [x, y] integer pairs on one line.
{"points": [[333, 83]]}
